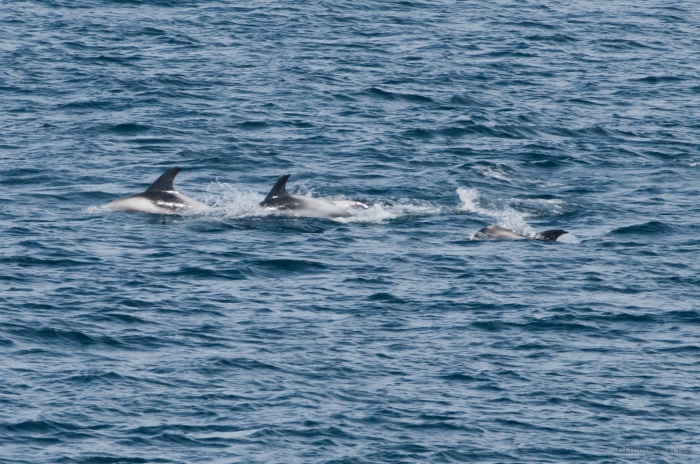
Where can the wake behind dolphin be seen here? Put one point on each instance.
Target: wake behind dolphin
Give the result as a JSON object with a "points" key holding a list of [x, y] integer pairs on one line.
{"points": [[160, 198], [494, 232], [280, 199]]}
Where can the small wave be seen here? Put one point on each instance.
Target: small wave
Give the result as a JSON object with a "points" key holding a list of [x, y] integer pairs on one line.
{"points": [[107, 60], [464, 100], [385, 95], [84, 105], [659, 79], [55, 336], [511, 131], [690, 350], [243, 364], [385, 297], [585, 101], [596, 130], [121, 318], [494, 172], [28, 261], [129, 129], [108, 378], [194, 272], [101, 459], [459, 377], [555, 38], [253, 125], [648, 228], [623, 44], [276, 268], [36, 426]]}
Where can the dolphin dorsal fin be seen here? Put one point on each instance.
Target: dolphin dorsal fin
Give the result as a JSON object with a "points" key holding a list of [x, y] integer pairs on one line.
{"points": [[279, 189], [165, 182]]}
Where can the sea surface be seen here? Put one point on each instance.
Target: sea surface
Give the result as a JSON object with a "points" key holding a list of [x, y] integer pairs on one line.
{"points": [[392, 336]]}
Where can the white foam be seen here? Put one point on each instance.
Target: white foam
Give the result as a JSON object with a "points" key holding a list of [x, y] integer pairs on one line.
{"points": [[492, 173], [539, 207], [504, 215], [96, 210], [384, 211], [231, 202], [470, 200]]}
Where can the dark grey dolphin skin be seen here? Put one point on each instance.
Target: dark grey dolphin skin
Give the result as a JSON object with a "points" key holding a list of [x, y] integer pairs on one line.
{"points": [[160, 198], [500, 233]]}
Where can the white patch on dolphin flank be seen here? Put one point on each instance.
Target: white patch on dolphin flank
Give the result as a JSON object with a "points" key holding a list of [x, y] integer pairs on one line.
{"points": [[568, 238], [160, 198], [280, 199], [181, 204]]}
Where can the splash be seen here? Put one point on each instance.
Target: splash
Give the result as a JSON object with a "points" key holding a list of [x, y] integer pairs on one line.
{"points": [[504, 215], [230, 202], [93, 210], [470, 201], [540, 207], [493, 173], [386, 211]]}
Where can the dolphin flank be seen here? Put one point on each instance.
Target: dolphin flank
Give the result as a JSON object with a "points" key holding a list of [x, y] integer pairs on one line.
{"points": [[160, 198], [500, 233], [280, 199]]}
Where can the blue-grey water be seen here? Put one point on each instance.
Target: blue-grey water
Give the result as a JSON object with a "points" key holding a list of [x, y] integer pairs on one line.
{"points": [[245, 335]]}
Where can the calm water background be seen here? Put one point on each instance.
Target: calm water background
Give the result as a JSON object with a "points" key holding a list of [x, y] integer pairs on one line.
{"points": [[245, 336]]}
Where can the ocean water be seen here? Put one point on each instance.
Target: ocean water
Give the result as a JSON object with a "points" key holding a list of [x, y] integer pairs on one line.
{"points": [[245, 335]]}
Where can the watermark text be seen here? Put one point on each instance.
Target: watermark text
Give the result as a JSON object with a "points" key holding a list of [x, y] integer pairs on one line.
{"points": [[653, 450]]}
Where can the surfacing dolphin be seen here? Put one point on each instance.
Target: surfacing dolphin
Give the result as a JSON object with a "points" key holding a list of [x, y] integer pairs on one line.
{"points": [[160, 198], [500, 233], [280, 199]]}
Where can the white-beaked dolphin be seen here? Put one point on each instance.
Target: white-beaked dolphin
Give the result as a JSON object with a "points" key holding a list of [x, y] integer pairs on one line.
{"points": [[501, 233], [160, 198], [280, 199]]}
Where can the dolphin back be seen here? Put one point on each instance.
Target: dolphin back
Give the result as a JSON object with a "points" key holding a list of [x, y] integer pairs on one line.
{"points": [[165, 182], [498, 232], [551, 235], [494, 232]]}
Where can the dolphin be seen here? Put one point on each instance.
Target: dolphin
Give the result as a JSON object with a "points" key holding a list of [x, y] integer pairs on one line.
{"points": [[498, 232], [280, 199], [160, 198]]}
